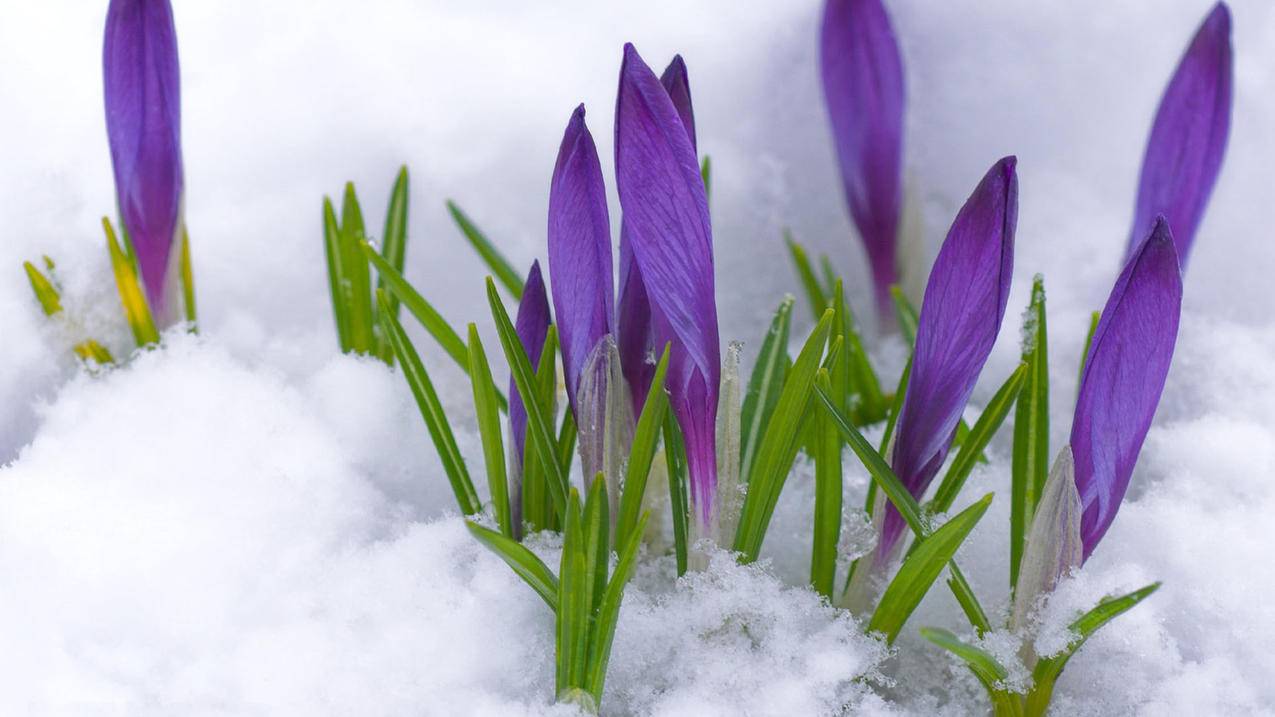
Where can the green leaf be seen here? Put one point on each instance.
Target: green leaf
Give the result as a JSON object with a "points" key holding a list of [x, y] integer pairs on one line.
{"points": [[127, 281], [906, 314], [1031, 430], [524, 562], [921, 569], [884, 477], [1084, 356], [431, 410], [984, 666], [538, 428], [435, 325], [862, 377], [337, 284], [778, 448], [394, 242], [1048, 669], [573, 608], [187, 276], [764, 386], [977, 440], [487, 415], [356, 272], [642, 453], [814, 292], [706, 173], [675, 460], [608, 613], [827, 523], [491, 256], [597, 525], [45, 292]]}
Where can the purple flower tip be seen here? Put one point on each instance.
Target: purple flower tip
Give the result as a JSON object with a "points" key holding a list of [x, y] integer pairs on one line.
{"points": [[678, 84], [579, 251], [143, 124], [1188, 138], [532, 327], [960, 317], [667, 226], [863, 86], [1125, 371]]}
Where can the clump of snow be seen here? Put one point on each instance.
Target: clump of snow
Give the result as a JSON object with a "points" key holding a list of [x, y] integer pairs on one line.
{"points": [[248, 523]]}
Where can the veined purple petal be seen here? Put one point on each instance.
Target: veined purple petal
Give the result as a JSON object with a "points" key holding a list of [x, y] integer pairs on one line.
{"points": [[143, 124], [960, 317], [666, 219], [532, 326], [1125, 371], [579, 251], [863, 86], [637, 349], [1188, 139]]}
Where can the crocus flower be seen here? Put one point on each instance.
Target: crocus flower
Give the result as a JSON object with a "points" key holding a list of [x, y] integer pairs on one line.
{"points": [[1125, 371], [637, 349], [143, 125], [532, 327], [863, 87], [580, 266], [667, 223], [1188, 139], [960, 317]]}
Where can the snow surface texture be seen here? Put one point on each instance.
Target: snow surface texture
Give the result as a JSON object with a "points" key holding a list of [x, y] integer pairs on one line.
{"points": [[249, 523]]}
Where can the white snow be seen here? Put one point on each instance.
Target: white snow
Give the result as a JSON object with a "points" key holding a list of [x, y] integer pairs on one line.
{"points": [[249, 523]]}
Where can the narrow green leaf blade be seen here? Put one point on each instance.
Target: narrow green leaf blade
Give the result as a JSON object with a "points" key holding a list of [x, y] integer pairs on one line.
{"points": [[675, 460], [642, 453], [977, 440], [906, 314], [45, 292], [337, 284], [431, 410], [1031, 457], [491, 256], [984, 666], [487, 415], [764, 386], [394, 240], [921, 569], [524, 562], [354, 266], [827, 523], [609, 611], [806, 273]]}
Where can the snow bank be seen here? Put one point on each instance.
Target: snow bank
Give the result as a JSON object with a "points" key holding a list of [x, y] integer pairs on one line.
{"points": [[248, 523]]}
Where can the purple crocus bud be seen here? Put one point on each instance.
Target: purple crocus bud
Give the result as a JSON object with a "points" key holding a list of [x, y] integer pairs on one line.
{"points": [[1188, 139], [637, 349], [666, 220], [579, 251], [143, 125], [863, 86], [960, 317], [532, 326], [1125, 371]]}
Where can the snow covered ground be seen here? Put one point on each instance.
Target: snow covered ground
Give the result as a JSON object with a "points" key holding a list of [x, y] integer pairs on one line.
{"points": [[250, 523]]}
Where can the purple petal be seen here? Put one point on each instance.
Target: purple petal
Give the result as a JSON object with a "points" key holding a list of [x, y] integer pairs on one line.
{"points": [[532, 326], [960, 317], [1187, 142], [637, 348], [1124, 374], [143, 125], [666, 219], [863, 86], [579, 251], [678, 85]]}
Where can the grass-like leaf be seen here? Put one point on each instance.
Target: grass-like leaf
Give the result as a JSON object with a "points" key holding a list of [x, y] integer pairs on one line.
{"points": [[491, 256], [608, 613], [431, 409], [1048, 669], [884, 477], [1084, 355], [827, 522], [394, 240], [764, 386], [361, 316], [679, 503], [984, 666], [1031, 430], [706, 173], [863, 381], [779, 444], [128, 282], [906, 314], [806, 273], [539, 430], [642, 453], [921, 569], [979, 436], [338, 286], [524, 562], [45, 292], [187, 276], [487, 414], [573, 613]]}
